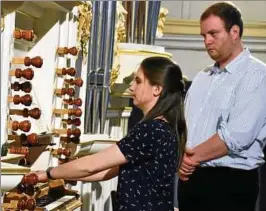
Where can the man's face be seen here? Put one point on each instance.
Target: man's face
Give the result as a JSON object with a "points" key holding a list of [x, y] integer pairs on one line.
{"points": [[218, 42]]}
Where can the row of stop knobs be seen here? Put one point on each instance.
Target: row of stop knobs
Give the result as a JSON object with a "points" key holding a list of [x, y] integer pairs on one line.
{"points": [[28, 73], [26, 100], [33, 139], [29, 36]]}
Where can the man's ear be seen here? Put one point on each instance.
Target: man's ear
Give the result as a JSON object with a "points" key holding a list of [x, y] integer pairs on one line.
{"points": [[235, 32], [157, 90]]}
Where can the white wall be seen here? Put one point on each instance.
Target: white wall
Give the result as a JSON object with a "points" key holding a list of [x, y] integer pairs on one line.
{"points": [[251, 10], [188, 50]]}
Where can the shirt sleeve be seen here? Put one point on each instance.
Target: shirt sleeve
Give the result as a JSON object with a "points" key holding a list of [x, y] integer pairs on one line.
{"points": [[140, 143], [246, 118]]}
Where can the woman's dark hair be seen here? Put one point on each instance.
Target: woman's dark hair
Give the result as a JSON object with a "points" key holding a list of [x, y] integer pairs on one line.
{"points": [[163, 72], [228, 12]]}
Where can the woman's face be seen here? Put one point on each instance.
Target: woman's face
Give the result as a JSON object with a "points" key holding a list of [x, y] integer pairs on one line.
{"points": [[145, 95]]}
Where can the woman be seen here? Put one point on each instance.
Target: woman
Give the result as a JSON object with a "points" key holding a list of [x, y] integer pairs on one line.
{"points": [[146, 159]]}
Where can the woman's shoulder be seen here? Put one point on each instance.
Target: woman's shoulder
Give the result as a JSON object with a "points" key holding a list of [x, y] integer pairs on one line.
{"points": [[153, 125]]}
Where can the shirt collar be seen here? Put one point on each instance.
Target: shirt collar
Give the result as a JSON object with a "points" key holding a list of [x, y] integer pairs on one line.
{"points": [[231, 66]]}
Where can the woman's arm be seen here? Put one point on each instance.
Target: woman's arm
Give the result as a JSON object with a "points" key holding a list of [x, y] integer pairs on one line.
{"points": [[87, 165], [101, 176]]}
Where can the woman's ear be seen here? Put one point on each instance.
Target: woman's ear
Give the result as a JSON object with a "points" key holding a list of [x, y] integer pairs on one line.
{"points": [[157, 90]]}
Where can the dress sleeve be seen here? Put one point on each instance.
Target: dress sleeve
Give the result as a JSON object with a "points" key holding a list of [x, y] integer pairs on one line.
{"points": [[140, 143]]}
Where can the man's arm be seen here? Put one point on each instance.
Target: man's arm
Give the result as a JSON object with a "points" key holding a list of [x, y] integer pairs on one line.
{"points": [[211, 149], [236, 134]]}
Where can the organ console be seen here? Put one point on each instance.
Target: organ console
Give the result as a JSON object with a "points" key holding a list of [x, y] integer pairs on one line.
{"points": [[50, 196], [27, 61], [25, 100], [25, 86]]}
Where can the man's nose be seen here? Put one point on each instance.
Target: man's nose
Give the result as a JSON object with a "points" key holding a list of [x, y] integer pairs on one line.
{"points": [[208, 40]]}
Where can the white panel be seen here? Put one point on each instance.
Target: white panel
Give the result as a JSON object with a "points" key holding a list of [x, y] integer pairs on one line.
{"points": [[186, 49], [251, 10], [6, 56]]}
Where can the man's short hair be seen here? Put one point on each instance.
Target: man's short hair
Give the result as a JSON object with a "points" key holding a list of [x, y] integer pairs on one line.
{"points": [[228, 12]]}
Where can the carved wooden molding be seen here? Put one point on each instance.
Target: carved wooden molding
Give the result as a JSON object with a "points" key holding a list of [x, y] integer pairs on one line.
{"points": [[192, 27]]}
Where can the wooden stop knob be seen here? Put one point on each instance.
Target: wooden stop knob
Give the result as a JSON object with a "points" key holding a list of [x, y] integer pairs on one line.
{"points": [[67, 152], [73, 132], [75, 112], [34, 113], [65, 91], [23, 188], [70, 71], [77, 82], [24, 125], [25, 86], [25, 100], [73, 51], [62, 151], [74, 140], [36, 61], [29, 140], [76, 101], [30, 179], [75, 121], [27, 73], [70, 112], [28, 204], [19, 150], [25, 34], [64, 50]]}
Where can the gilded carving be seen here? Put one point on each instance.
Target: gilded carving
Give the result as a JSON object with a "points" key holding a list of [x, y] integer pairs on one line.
{"points": [[2, 24], [120, 35], [84, 23], [161, 20]]}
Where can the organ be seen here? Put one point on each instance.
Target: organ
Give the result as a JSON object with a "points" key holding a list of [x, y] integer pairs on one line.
{"points": [[57, 98]]}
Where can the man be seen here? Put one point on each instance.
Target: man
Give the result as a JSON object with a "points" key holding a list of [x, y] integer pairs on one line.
{"points": [[226, 113]]}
